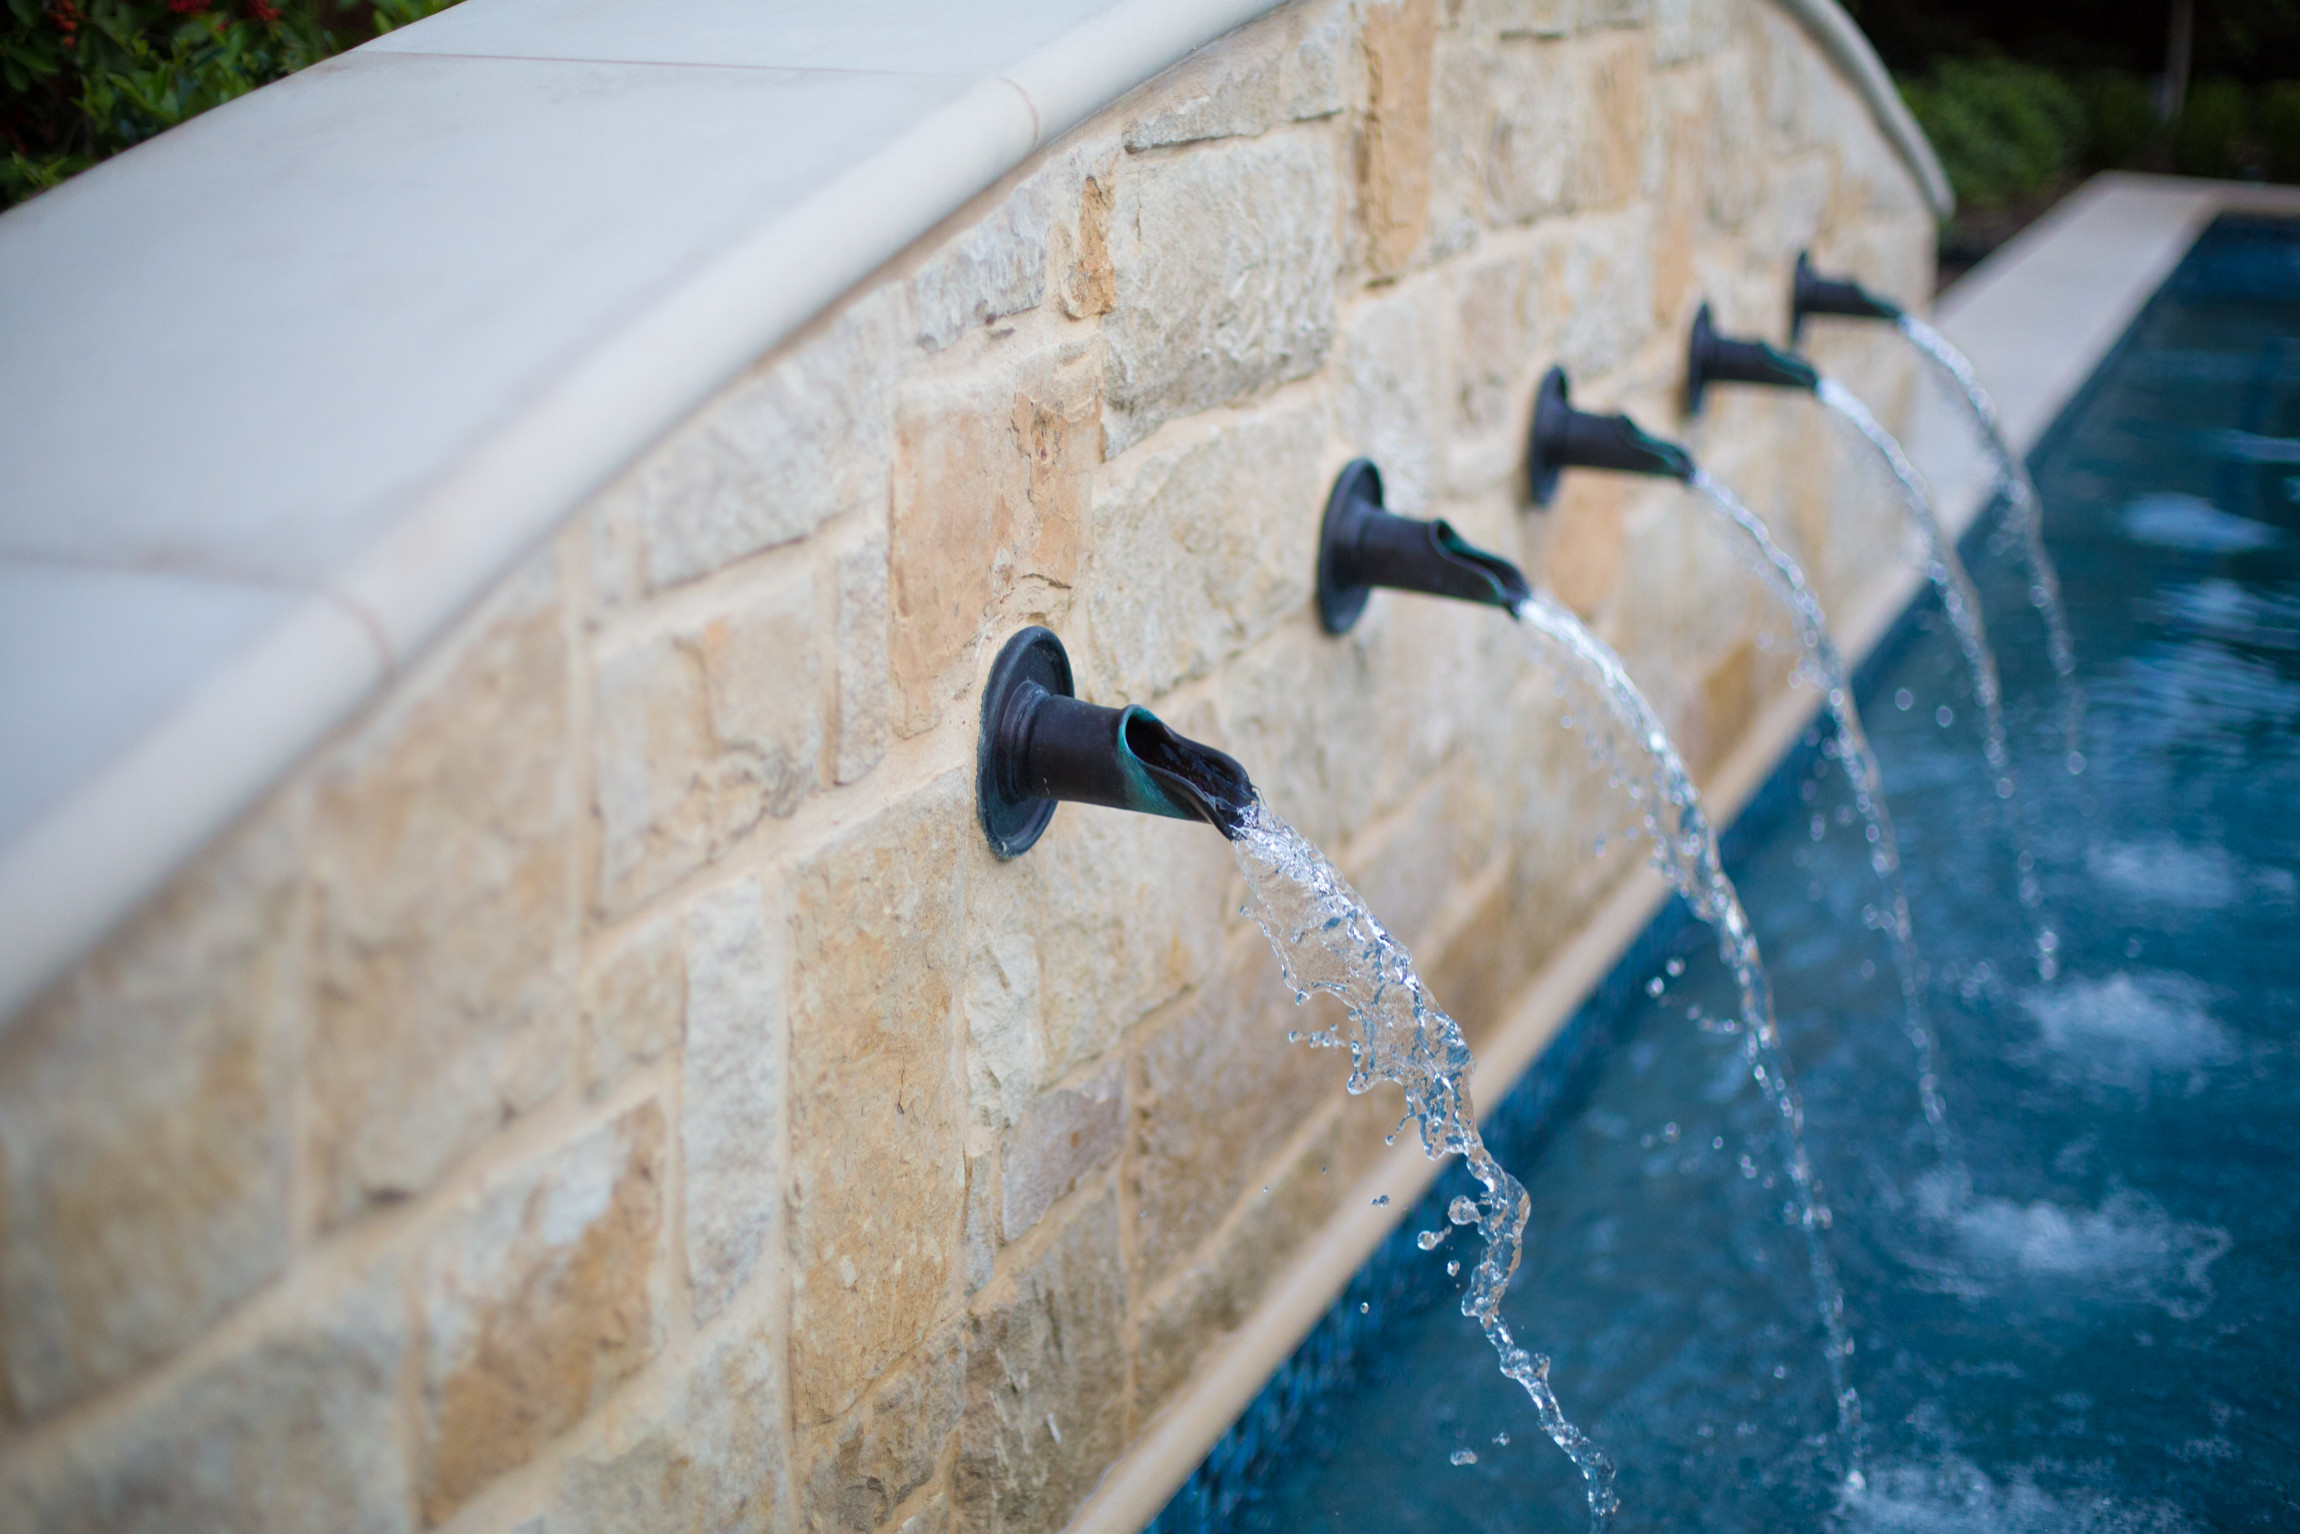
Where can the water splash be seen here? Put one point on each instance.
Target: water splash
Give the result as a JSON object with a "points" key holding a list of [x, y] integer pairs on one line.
{"points": [[1786, 578], [1963, 605], [1686, 853], [2027, 507], [1326, 940]]}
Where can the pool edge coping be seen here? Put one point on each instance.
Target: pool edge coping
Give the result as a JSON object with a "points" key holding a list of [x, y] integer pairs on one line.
{"points": [[2161, 217]]}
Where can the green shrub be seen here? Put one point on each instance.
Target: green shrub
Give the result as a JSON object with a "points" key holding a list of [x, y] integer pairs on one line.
{"points": [[2003, 130], [2276, 119], [88, 78], [2208, 140], [2121, 128]]}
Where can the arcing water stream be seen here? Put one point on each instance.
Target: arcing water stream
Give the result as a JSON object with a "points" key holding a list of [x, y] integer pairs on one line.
{"points": [[2027, 517], [1851, 747], [1326, 940], [1963, 606]]}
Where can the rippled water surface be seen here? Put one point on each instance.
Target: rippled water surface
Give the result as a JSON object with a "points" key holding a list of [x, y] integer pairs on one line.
{"points": [[2090, 1323]]}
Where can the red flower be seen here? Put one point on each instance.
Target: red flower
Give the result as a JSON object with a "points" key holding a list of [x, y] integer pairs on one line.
{"points": [[264, 11], [187, 7], [66, 15]]}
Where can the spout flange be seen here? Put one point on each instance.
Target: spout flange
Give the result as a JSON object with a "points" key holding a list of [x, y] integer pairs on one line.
{"points": [[1812, 293], [1712, 358], [1565, 438], [1342, 595], [1032, 666]]}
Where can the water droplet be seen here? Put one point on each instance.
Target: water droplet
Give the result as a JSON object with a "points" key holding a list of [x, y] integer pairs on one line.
{"points": [[1653, 987], [1903, 700], [1675, 967], [1780, 1371], [1465, 1456], [1502, 1439], [1428, 1240], [1453, 1269], [1382, 1201], [1365, 1307], [1944, 716], [1462, 1211]]}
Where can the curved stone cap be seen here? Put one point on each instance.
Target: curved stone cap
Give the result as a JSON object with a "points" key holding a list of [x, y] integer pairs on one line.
{"points": [[286, 388]]}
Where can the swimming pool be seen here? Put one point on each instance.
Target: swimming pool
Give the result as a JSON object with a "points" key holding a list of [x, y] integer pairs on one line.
{"points": [[2076, 1318]]}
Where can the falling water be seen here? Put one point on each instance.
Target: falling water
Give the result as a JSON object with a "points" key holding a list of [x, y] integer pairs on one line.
{"points": [[1326, 940], [2028, 517], [1851, 747], [1963, 605], [1686, 853]]}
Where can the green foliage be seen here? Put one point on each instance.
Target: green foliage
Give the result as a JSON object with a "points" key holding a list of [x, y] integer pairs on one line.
{"points": [[88, 78], [2209, 138], [2003, 130], [2277, 122], [2121, 130]]}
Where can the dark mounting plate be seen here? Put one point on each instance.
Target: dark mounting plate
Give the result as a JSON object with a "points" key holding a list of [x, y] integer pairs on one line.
{"points": [[1013, 820], [1341, 601]]}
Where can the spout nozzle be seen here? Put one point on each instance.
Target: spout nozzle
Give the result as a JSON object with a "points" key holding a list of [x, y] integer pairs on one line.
{"points": [[1714, 358], [1565, 438], [1812, 293], [1040, 745], [1362, 547]]}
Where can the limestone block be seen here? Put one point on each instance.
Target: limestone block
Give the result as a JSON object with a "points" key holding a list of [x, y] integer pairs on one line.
{"points": [[1491, 20], [536, 1301], [992, 269], [731, 1090], [1196, 550], [1394, 136], [292, 1433], [1596, 288], [1497, 335], [1388, 401], [877, 1175], [862, 718], [861, 1467], [1185, 1320], [1285, 67], [1063, 1138], [799, 440], [1217, 1092], [1080, 251], [1225, 260], [1795, 209], [712, 1459], [1306, 747], [1581, 563], [444, 906], [143, 1128], [703, 727], [1504, 129], [989, 504], [1045, 1382], [634, 1005], [1410, 867], [1685, 30], [1109, 916], [1612, 121]]}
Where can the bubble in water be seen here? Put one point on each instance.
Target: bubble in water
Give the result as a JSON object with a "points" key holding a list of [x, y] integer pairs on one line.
{"points": [[1365, 1307], [1944, 716], [1382, 1201], [1903, 700], [1462, 1211], [1465, 1456]]}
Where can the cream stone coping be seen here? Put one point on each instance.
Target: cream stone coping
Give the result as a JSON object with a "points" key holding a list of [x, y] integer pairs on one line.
{"points": [[287, 388], [2036, 318]]}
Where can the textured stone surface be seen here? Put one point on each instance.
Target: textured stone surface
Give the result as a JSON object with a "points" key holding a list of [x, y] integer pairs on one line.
{"points": [[143, 1130], [877, 1175], [862, 1466], [1045, 1382], [1061, 1139], [444, 907], [1225, 264], [703, 729], [989, 497], [536, 1302], [1217, 1092], [1200, 548], [714, 1459], [731, 1090], [1286, 66], [634, 1000], [862, 718], [994, 268], [799, 441], [1394, 140], [1389, 395], [294, 1432]]}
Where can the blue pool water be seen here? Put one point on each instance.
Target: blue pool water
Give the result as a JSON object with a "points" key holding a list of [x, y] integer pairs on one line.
{"points": [[2083, 1316]]}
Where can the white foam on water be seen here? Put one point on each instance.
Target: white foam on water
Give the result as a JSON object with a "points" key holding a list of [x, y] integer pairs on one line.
{"points": [[2125, 1028], [2170, 872], [1952, 1495], [2129, 1250], [2170, 519]]}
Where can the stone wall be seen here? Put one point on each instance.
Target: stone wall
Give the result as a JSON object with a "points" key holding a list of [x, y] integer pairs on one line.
{"points": [[612, 1086]]}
